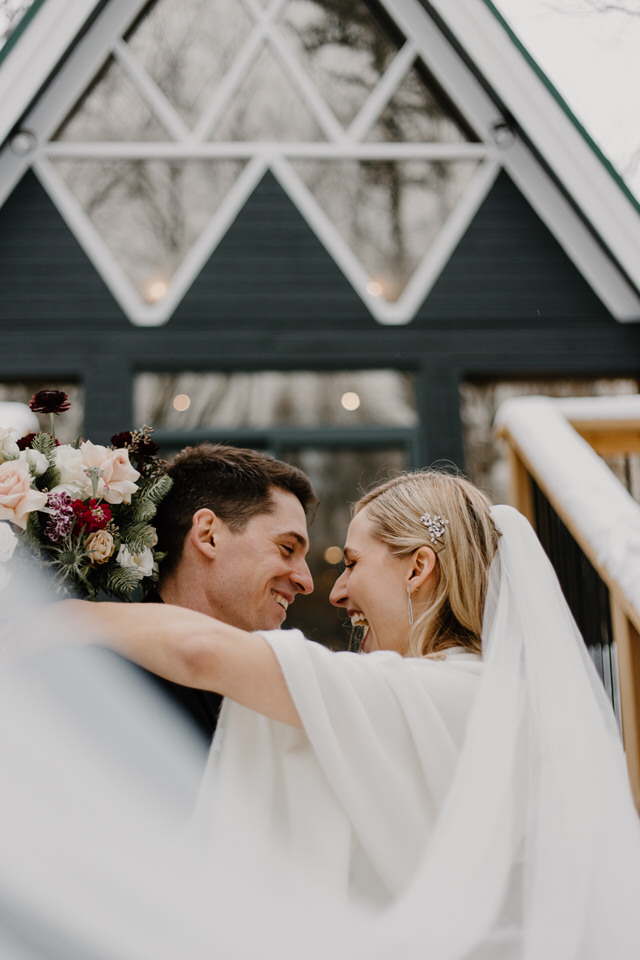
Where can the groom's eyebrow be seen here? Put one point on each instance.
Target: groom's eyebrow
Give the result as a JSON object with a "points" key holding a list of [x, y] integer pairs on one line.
{"points": [[298, 537]]}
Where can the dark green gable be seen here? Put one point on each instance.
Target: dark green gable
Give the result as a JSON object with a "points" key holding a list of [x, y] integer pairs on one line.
{"points": [[508, 303]]}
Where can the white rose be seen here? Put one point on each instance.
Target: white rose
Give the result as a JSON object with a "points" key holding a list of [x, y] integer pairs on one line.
{"points": [[9, 449], [38, 463], [71, 466], [8, 541], [142, 563]]}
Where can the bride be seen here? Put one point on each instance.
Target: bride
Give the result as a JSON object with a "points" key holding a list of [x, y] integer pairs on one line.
{"points": [[458, 789]]}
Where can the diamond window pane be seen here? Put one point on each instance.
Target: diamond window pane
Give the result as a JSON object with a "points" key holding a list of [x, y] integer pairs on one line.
{"points": [[420, 112], [273, 398], [149, 213], [266, 106], [188, 47], [111, 109], [388, 211], [346, 47]]}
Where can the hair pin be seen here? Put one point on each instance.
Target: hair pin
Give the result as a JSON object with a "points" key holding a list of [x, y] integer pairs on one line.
{"points": [[435, 528]]}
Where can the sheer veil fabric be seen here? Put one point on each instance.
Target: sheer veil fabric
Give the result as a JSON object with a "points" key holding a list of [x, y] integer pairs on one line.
{"points": [[489, 802], [450, 810], [537, 851]]}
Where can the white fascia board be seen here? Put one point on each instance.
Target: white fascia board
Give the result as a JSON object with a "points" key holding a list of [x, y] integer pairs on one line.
{"points": [[38, 50], [555, 136]]}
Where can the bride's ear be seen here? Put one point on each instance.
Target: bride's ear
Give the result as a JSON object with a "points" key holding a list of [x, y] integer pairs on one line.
{"points": [[423, 565], [204, 528]]}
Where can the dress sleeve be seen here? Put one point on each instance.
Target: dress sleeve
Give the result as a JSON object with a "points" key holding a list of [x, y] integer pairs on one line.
{"points": [[359, 788]]}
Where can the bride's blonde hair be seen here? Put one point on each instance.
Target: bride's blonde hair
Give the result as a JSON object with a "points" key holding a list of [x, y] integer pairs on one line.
{"points": [[453, 616]]}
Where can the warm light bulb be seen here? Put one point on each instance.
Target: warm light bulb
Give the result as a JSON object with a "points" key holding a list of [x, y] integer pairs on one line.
{"points": [[181, 402], [333, 555], [350, 401], [155, 290]]}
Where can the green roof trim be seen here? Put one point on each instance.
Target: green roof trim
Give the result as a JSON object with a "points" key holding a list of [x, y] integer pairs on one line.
{"points": [[15, 35], [553, 90]]}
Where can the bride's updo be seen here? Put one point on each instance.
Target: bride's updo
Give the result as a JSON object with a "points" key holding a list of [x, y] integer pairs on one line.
{"points": [[464, 547]]}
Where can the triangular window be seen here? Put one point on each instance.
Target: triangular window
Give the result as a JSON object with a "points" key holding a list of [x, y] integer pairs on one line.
{"points": [[196, 99]]}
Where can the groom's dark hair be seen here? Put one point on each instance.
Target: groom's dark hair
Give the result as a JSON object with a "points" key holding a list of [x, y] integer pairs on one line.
{"points": [[234, 482]]}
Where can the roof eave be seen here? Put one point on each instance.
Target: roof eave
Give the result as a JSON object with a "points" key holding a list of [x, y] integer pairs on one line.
{"points": [[43, 41], [553, 132]]}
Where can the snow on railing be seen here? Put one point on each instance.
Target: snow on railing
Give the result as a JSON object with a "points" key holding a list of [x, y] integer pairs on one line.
{"points": [[546, 446]]}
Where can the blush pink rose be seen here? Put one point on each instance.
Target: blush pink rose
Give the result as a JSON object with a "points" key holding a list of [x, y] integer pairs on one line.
{"points": [[118, 480], [17, 497]]}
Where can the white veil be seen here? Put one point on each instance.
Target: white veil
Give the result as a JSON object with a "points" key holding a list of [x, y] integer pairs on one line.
{"points": [[537, 852]]}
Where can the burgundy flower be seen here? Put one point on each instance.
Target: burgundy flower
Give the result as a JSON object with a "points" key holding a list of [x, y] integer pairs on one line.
{"points": [[61, 517], [119, 440], [50, 401], [146, 447], [24, 443], [92, 515]]}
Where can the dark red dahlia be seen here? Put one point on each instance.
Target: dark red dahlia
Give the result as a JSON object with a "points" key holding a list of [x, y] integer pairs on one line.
{"points": [[91, 515], [50, 401], [123, 439]]}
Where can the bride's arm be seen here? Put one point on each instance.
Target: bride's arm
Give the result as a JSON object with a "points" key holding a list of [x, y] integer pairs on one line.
{"points": [[189, 648]]}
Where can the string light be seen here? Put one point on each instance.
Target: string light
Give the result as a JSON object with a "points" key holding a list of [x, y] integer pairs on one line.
{"points": [[333, 555], [350, 401], [181, 402], [155, 290]]}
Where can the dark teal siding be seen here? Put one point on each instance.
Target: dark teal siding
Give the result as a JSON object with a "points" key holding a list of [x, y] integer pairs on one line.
{"points": [[509, 303]]}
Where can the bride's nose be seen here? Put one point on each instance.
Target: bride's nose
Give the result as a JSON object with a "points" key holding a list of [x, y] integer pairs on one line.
{"points": [[338, 595]]}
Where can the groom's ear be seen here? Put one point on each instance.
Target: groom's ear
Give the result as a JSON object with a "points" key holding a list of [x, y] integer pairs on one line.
{"points": [[205, 526]]}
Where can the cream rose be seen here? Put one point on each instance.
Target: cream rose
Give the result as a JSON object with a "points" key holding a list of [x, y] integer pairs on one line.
{"points": [[9, 449], [99, 546], [71, 467], [118, 481], [142, 562], [17, 498]]}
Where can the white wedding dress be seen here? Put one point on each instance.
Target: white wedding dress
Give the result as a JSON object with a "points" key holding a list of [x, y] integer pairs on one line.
{"points": [[450, 809]]}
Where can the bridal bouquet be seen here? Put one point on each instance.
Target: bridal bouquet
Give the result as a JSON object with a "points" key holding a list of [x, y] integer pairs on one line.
{"points": [[81, 511]]}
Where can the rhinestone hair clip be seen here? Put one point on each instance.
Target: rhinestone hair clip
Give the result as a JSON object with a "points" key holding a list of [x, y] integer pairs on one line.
{"points": [[435, 529]]}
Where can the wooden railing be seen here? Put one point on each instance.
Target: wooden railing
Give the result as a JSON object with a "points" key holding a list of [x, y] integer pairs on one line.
{"points": [[589, 524]]}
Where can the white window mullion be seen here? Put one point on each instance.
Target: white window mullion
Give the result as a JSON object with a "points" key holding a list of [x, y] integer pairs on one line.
{"points": [[163, 150], [231, 82], [446, 66], [304, 85], [209, 239], [163, 110], [444, 244], [385, 89], [89, 239], [322, 226]]}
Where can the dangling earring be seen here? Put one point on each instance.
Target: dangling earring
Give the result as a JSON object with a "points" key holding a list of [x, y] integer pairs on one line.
{"points": [[410, 605]]}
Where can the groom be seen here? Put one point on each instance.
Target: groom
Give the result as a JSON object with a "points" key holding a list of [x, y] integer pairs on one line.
{"points": [[234, 529]]}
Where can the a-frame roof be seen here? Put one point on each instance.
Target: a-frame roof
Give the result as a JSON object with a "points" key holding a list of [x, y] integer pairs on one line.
{"points": [[546, 153]]}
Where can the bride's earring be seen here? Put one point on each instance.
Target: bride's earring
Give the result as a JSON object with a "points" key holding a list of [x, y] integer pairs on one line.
{"points": [[410, 605]]}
